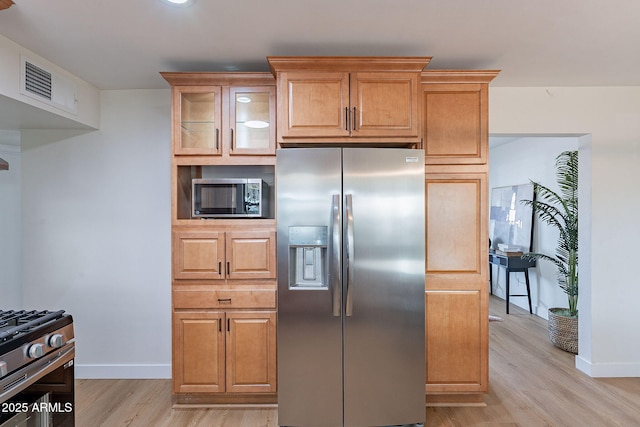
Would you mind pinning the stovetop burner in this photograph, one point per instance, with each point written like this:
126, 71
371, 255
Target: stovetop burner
21, 326
14, 323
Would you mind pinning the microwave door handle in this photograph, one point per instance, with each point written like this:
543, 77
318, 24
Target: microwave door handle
334, 256
348, 310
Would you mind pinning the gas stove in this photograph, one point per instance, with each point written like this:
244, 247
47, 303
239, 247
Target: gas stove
37, 350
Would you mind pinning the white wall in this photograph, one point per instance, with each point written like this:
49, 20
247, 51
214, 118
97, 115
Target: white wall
88, 96
10, 223
609, 229
96, 240
518, 162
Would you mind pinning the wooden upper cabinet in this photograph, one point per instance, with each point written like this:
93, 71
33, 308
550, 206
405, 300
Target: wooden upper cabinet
252, 120
223, 114
198, 122
385, 104
348, 100
456, 116
313, 105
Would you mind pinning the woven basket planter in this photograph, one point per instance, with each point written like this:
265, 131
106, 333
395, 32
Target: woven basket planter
563, 331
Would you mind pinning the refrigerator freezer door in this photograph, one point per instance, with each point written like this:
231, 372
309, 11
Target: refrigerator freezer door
309, 321
384, 347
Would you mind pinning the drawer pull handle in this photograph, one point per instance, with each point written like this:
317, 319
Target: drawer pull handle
221, 300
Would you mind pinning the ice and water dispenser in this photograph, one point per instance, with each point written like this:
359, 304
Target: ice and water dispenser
308, 257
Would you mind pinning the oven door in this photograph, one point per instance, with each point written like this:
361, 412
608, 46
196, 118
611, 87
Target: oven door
40, 394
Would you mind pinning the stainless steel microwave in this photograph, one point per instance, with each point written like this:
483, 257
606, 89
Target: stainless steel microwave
229, 198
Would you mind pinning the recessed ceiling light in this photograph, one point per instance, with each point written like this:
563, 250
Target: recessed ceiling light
243, 99
182, 3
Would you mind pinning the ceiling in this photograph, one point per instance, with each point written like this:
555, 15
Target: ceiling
123, 44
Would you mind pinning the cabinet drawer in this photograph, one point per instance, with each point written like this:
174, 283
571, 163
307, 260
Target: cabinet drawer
220, 299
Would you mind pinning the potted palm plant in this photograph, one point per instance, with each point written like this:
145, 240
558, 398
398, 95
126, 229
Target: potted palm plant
560, 210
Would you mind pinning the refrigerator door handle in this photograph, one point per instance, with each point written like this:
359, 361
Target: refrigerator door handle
350, 255
334, 254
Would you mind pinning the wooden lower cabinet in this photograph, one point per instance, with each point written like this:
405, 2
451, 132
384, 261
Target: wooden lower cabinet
455, 354
251, 352
198, 352
218, 254
456, 292
224, 352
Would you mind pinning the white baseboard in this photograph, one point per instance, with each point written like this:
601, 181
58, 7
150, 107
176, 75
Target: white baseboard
607, 370
122, 371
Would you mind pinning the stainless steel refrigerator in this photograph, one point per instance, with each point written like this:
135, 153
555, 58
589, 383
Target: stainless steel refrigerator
351, 334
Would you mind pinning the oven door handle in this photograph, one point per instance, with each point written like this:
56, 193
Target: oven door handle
14, 383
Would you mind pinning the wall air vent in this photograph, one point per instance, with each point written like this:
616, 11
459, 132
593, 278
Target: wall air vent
37, 80
53, 89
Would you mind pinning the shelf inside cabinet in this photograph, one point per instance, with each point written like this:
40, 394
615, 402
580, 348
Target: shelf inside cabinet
185, 174
252, 119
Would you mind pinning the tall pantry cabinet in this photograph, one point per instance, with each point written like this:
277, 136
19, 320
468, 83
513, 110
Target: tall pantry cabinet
455, 141
223, 269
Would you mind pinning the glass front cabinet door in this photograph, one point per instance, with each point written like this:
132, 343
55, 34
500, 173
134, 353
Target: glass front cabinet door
252, 120
199, 124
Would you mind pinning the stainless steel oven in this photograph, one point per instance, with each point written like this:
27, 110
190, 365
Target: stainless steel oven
37, 350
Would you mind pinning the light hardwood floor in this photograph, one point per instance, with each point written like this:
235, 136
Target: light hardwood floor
531, 383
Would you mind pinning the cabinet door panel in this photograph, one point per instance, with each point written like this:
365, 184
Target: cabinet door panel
251, 352
456, 282
313, 104
455, 124
198, 255
198, 352
456, 231
384, 104
251, 255
457, 343
252, 117
197, 125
